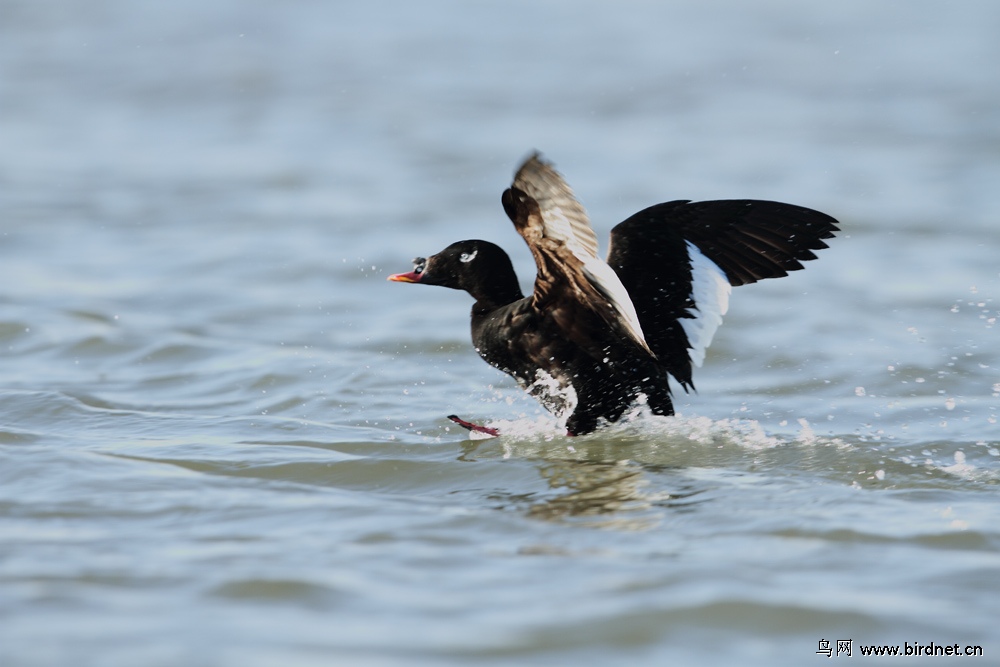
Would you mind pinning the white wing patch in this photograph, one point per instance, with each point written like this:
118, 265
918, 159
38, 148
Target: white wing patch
710, 291
607, 283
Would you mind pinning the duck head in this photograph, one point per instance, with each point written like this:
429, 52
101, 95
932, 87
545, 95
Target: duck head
480, 268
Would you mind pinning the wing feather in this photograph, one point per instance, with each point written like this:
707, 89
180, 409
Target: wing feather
563, 216
673, 257
557, 230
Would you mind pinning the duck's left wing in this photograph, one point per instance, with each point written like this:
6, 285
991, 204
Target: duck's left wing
562, 216
555, 226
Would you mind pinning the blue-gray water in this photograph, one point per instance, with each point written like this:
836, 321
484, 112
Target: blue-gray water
222, 432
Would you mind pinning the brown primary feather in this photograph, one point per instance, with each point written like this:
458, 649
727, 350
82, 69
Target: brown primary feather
556, 228
562, 290
562, 215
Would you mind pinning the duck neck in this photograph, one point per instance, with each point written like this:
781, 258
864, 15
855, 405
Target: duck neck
496, 289
488, 301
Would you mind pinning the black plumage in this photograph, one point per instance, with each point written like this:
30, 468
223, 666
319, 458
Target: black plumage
593, 336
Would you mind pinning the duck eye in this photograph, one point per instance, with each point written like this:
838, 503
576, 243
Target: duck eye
419, 264
467, 257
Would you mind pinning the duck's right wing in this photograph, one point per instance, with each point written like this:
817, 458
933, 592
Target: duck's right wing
678, 260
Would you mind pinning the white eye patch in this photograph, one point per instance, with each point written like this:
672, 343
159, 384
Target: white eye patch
467, 257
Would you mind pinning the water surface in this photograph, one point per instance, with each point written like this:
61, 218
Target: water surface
222, 433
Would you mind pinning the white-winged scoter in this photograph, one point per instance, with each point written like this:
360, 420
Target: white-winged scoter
594, 336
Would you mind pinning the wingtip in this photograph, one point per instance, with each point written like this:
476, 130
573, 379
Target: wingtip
534, 157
